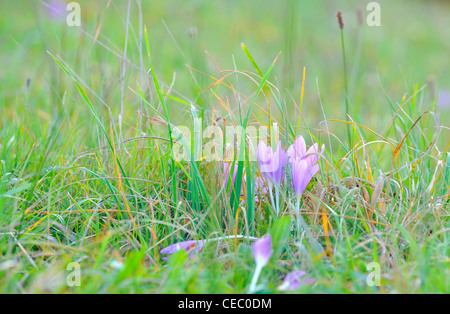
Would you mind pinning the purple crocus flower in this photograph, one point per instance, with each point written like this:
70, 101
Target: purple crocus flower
262, 251
271, 164
303, 164
443, 99
192, 247
56, 9
293, 280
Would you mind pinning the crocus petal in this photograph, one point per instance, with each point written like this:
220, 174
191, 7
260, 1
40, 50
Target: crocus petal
264, 156
283, 162
262, 250
299, 175
271, 164
312, 155
297, 150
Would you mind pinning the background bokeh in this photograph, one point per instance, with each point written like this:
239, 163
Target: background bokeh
410, 49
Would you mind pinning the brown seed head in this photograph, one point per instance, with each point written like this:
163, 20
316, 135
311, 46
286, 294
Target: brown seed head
340, 20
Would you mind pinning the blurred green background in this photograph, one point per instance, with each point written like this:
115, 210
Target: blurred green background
409, 50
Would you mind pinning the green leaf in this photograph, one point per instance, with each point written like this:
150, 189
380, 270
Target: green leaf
280, 235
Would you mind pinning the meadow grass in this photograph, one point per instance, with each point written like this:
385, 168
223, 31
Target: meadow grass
88, 174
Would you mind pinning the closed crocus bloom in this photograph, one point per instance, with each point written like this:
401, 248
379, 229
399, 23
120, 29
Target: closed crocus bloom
262, 251
271, 164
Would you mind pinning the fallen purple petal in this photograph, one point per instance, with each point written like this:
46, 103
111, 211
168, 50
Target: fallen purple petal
294, 280
192, 247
